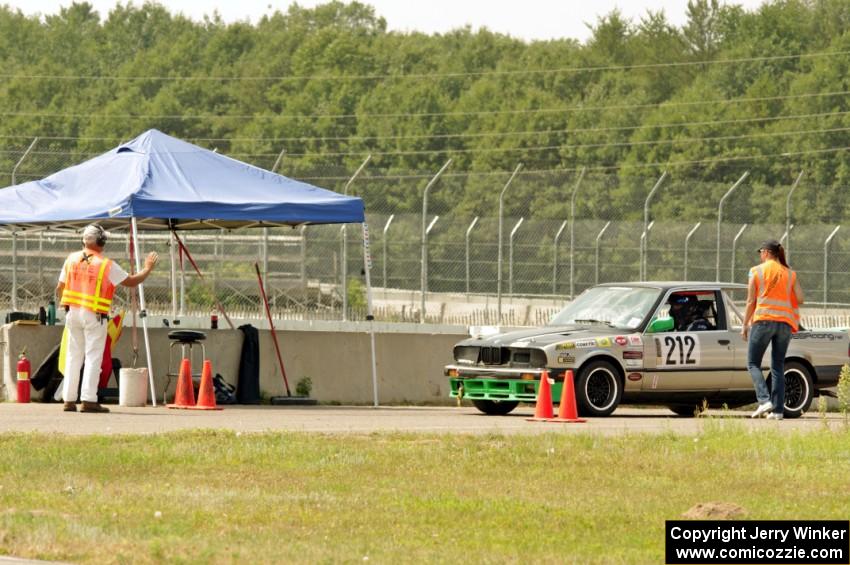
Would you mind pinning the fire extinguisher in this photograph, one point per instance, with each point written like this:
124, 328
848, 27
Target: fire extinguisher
24, 369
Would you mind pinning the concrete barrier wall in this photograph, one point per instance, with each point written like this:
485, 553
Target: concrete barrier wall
409, 365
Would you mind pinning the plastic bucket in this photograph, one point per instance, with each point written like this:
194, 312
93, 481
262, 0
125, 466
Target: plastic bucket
133, 387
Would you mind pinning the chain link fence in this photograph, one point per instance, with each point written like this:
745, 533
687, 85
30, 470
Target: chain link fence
561, 232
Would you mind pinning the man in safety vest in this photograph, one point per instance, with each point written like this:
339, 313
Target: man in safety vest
772, 315
85, 288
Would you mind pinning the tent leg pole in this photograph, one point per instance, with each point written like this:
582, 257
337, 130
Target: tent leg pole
172, 252
367, 267
142, 313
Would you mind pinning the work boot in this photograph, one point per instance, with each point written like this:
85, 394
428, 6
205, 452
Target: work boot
93, 407
69, 407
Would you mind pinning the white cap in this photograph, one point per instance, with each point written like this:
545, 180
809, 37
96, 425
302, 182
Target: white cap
92, 233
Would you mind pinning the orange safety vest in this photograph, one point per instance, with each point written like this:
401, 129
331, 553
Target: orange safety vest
87, 283
775, 300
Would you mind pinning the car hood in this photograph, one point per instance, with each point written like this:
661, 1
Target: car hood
544, 336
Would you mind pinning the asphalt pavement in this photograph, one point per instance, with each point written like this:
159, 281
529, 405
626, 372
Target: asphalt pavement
49, 418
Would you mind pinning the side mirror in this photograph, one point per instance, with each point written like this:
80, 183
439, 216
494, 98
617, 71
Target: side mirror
658, 325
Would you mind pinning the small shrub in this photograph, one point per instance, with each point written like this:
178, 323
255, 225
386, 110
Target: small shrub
304, 387
844, 390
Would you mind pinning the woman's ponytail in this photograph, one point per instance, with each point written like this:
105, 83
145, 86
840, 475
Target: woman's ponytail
780, 256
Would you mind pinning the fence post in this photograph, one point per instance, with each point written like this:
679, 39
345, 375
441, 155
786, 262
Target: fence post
468, 232
172, 251
687, 244
598, 239
424, 259
788, 214
826, 265
555, 258
384, 249
720, 220
644, 236
278, 160
500, 260
511, 257
344, 250
644, 248
734, 247
21, 160
573, 232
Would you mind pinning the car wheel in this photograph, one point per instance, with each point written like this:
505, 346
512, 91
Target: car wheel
495, 407
686, 410
598, 389
799, 389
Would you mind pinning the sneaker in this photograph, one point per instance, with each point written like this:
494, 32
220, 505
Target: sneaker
762, 409
69, 407
94, 407
775, 416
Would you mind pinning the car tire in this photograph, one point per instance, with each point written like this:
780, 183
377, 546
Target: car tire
799, 389
599, 389
495, 407
686, 410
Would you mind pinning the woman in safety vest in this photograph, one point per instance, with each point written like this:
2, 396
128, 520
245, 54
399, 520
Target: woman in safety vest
85, 289
773, 297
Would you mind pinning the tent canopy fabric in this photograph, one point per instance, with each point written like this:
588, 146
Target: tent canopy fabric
168, 183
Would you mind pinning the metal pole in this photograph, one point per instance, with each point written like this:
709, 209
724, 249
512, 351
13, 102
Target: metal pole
367, 268
687, 244
499, 259
644, 247
21, 160
598, 238
424, 251
511, 257
304, 256
172, 252
14, 270
343, 275
720, 220
734, 247
425, 263
555, 257
142, 312
468, 232
183, 282
573, 232
644, 235
786, 235
788, 215
384, 245
826, 265
344, 251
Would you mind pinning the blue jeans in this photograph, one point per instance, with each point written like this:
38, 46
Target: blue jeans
778, 336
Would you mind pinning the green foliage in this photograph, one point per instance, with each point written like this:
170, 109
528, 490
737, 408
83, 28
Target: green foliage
304, 386
356, 294
330, 84
843, 390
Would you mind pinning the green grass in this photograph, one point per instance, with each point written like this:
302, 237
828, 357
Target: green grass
389, 498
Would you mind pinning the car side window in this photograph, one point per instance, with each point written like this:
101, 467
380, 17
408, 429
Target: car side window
693, 311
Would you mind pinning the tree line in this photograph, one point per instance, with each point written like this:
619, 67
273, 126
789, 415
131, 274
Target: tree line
731, 90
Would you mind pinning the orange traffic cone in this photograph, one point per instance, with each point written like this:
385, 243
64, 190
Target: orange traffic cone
567, 411
206, 393
543, 409
184, 396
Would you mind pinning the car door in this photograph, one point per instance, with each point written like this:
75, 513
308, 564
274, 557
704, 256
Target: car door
741, 379
691, 360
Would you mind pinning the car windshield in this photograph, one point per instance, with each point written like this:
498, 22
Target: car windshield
617, 306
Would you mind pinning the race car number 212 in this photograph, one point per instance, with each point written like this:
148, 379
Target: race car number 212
679, 350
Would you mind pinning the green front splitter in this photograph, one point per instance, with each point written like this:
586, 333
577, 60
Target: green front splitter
501, 389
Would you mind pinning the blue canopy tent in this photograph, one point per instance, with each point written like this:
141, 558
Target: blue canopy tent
158, 182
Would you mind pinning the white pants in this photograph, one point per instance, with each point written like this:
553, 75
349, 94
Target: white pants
86, 340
